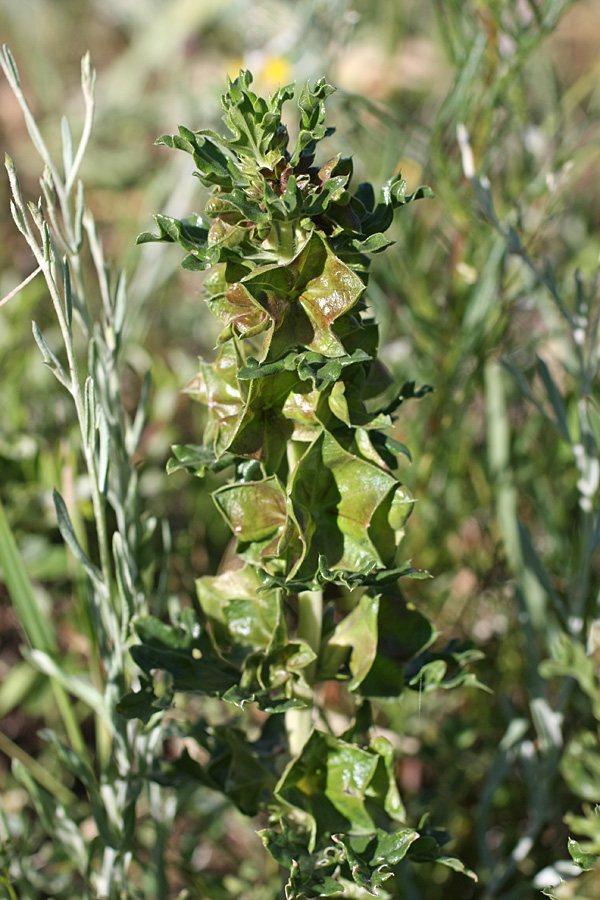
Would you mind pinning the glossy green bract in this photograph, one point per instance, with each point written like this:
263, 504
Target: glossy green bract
299, 415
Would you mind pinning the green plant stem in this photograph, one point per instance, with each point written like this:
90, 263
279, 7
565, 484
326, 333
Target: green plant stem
310, 621
299, 722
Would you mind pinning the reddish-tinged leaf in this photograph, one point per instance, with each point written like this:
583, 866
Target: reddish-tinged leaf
216, 386
304, 298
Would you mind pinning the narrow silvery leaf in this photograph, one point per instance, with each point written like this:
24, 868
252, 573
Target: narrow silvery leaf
15, 184
47, 186
49, 358
13, 73
67, 146
18, 219
90, 411
81, 689
88, 76
103, 451
68, 533
547, 722
46, 242
79, 210
67, 292
120, 303
35, 211
135, 432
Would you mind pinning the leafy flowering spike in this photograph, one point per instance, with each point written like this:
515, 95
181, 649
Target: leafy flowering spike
299, 413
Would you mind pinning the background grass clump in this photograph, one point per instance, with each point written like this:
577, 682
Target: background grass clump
489, 295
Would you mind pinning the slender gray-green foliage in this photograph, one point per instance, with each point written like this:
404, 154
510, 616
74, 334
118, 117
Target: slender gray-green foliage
118, 573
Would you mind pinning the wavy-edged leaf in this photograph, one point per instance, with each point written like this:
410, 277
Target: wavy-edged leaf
329, 782
198, 460
358, 631
303, 299
217, 387
353, 511
234, 768
186, 653
260, 517
243, 619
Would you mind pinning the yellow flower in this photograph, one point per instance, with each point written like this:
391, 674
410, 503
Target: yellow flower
275, 72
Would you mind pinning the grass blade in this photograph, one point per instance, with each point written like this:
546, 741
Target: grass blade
34, 623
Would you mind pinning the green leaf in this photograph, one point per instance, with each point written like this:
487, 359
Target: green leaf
585, 861
257, 514
445, 669
451, 862
214, 166
234, 769
216, 385
393, 194
191, 233
331, 782
243, 618
570, 660
198, 460
403, 633
266, 425
312, 123
359, 632
375, 243
370, 864
303, 299
580, 765
142, 704
352, 511
239, 311
383, 789
258, 134
184, 652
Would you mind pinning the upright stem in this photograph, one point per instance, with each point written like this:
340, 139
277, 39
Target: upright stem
310, 620
299, 722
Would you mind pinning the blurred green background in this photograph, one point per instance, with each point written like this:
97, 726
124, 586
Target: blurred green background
499, 520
